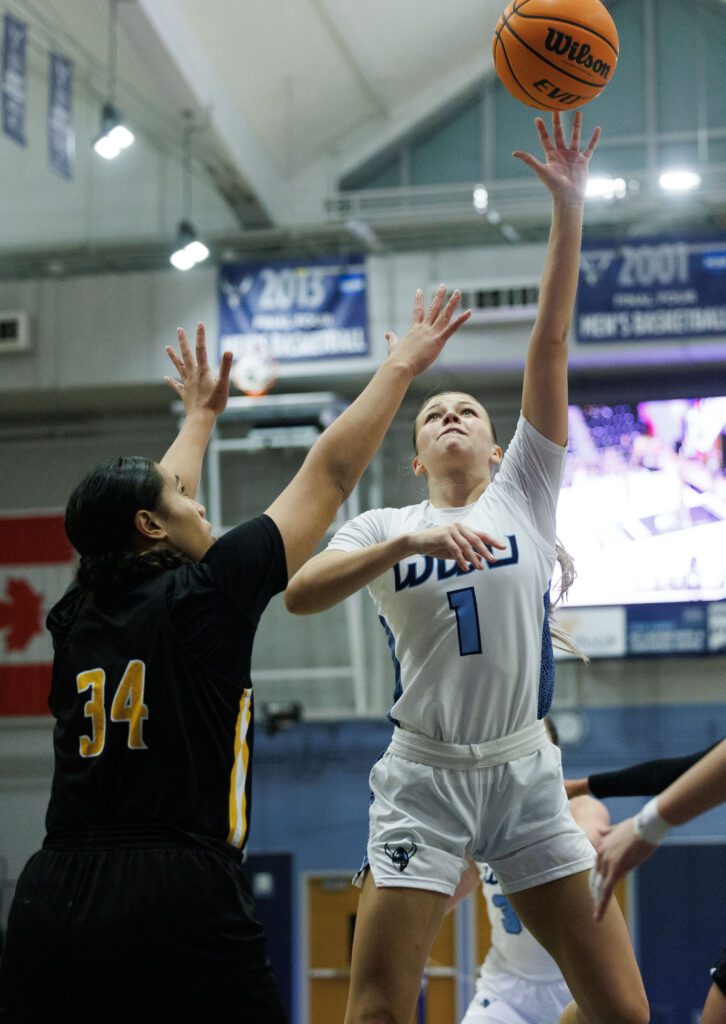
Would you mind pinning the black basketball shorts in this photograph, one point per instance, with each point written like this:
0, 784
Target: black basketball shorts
133, 933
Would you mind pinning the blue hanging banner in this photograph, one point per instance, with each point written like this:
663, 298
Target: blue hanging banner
14, 81
61, 133
297, 311
652, 290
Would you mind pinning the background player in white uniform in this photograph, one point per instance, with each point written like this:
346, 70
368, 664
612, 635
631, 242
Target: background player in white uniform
470, 769
519, 982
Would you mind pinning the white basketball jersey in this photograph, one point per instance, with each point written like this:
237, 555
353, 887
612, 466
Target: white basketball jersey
513, 948
471, 650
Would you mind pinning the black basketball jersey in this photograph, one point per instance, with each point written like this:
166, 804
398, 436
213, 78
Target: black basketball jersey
152, 695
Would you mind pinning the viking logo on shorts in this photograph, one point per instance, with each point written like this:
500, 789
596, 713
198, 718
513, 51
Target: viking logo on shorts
401, 856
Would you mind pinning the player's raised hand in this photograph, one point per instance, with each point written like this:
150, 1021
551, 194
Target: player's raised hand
198, 387
565, 168
429, 331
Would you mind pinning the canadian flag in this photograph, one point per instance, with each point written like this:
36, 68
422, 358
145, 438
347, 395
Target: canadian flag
36, 566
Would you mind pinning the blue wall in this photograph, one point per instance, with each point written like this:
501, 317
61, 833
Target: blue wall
311, 783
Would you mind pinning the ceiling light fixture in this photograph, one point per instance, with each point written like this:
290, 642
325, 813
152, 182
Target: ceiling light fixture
114, 136
480, 198
189, 249
679, 181
606, 188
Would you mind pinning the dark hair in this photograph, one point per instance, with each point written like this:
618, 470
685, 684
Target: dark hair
438, 394
99, 522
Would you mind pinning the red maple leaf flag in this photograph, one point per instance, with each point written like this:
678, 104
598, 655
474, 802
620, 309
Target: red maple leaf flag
36, 566
20, 613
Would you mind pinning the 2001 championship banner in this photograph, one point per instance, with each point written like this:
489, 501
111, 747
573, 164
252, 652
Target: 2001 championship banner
652, 290
298, 311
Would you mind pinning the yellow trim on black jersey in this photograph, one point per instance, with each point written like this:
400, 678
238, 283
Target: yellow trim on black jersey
238, 780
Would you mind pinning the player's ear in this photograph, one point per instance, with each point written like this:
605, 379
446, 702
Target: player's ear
418, 467
149, 525
496, 456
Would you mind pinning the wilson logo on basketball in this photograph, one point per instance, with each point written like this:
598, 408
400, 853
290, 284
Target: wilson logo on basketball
562, 44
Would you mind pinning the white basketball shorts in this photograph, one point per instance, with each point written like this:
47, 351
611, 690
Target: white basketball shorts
425, 819
504, 998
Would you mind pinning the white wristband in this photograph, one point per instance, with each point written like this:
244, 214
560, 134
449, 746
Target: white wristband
649, 825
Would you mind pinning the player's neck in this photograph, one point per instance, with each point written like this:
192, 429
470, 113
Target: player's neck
456, 490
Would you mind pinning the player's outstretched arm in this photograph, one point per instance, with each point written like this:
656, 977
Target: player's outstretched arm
564, 172
634, 840
333, 575
336, 461
204, 396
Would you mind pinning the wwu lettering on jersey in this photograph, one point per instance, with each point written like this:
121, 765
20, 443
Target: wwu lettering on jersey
413, 574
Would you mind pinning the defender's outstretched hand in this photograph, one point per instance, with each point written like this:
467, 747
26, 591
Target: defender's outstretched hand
620, 850
429, 331
565, 168
198, 388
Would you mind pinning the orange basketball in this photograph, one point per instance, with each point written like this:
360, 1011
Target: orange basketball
555, 54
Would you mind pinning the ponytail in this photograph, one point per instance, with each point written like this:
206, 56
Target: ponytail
115, 571
561, 639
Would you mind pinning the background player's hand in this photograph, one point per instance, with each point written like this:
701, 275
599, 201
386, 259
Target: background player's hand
565, 169
620, 851
456, 542
576, 787
198, 388
429, 331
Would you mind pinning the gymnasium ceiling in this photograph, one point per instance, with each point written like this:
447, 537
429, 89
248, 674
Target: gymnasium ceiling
286, 96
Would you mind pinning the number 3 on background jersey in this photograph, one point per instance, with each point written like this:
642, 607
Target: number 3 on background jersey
127, 706
463, 603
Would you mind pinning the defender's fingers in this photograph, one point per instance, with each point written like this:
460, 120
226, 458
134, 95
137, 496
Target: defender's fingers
436, 303
178, 364
454, 325
201, 348
576, 131
185, 350
175, 385
601, 907
451, 305
418, 307
592, 144
225, 368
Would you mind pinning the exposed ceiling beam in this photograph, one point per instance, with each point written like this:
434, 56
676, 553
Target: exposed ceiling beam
373, 94
246, 154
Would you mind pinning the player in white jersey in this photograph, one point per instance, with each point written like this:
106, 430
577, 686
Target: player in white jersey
519, 982
461, 584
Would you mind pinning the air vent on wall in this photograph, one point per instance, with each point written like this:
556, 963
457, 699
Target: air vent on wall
501, 303
14, 331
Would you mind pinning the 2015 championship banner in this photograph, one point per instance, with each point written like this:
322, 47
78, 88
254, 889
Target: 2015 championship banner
652, 290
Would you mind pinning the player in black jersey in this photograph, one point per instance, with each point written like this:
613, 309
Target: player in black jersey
136, 907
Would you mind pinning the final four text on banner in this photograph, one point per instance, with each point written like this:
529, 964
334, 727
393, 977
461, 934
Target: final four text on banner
36, 566
652, 290
14, 78
294, 311
61, 135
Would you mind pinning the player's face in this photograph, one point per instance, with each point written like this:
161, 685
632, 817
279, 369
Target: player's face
183, 518
453, 428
